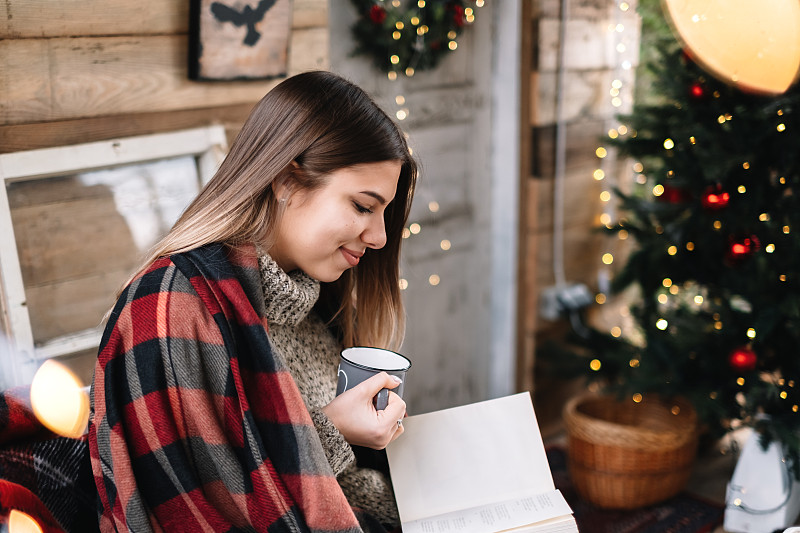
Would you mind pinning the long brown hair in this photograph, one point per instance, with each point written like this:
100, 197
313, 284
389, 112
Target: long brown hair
323, 123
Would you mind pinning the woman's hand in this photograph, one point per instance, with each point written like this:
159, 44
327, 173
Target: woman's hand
354, 414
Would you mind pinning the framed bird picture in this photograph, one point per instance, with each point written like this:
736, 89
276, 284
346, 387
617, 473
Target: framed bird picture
238, 39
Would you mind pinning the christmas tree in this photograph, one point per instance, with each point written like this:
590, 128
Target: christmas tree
714, 214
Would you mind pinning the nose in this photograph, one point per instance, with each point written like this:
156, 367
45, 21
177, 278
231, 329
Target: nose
374, 235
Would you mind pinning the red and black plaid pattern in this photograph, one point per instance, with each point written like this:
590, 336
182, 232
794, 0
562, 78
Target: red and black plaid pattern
43, 475
195, 425
17, 421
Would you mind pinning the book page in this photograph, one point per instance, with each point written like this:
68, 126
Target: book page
495, 517
468, 456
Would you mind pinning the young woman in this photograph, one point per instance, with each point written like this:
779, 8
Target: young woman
213, 403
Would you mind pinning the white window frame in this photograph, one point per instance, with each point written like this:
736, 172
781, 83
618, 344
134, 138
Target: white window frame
207, 144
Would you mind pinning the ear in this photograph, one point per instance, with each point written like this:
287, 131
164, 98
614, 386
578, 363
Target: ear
285, 184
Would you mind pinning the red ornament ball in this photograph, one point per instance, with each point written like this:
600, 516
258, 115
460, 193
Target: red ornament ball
673, 195
458, 16
743, 359
743, 247
715, 198
697, 91
377, 14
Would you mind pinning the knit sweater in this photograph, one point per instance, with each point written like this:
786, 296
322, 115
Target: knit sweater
311, 353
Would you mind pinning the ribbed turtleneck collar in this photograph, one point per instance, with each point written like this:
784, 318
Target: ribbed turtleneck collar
288, 297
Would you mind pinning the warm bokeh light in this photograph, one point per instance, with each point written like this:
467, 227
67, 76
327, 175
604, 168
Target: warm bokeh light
59, 400
741, 41
19, 522
600, 298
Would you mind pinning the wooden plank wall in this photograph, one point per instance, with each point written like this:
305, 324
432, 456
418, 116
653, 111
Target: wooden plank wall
77, 71
592, 61
99, 69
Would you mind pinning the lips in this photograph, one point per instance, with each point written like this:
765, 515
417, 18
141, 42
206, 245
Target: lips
352, 257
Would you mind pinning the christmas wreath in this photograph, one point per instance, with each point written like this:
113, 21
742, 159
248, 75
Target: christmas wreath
410, 38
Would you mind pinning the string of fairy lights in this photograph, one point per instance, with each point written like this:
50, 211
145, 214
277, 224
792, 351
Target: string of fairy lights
620, 95
403, 111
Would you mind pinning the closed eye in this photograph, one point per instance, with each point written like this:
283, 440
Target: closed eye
361, 209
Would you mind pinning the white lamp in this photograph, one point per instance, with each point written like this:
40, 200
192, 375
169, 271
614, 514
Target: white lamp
754, 44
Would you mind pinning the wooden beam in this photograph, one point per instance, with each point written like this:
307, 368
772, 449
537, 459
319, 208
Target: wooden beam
526, 269
583, 138
26, 19
18, 137
64, 78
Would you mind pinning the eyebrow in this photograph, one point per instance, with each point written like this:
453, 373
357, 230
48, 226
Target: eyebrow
375, 195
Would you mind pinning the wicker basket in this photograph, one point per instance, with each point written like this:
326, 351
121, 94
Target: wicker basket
629, 455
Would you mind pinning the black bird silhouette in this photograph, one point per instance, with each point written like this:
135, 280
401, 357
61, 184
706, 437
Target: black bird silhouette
246, 17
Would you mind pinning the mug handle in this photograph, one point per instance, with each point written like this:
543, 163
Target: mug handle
382, 400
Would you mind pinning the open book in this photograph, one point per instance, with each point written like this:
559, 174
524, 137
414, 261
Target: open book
478, 468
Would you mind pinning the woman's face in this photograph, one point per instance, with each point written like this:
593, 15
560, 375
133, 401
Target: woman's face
326, 231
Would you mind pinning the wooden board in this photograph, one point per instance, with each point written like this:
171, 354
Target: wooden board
582, 139
64, 308
77, 239
59, 234
17, 137
26, 19
57, 79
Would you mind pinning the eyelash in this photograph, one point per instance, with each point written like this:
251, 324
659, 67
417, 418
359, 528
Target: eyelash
361, 209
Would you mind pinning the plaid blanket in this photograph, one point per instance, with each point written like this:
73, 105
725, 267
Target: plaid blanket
45, 476
196, 426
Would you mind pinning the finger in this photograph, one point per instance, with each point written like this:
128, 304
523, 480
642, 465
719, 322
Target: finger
398, 430
395, 409
379, 381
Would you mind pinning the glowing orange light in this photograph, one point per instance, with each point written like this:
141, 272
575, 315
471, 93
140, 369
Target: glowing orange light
19, 522
59, 400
